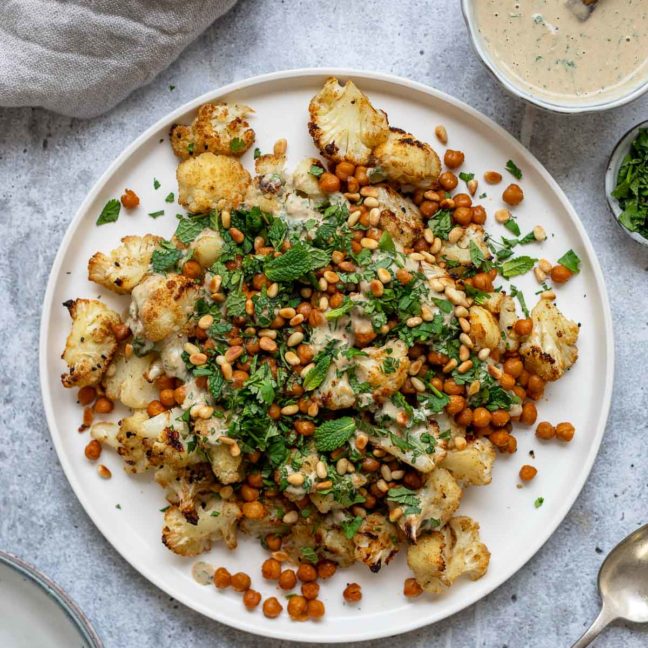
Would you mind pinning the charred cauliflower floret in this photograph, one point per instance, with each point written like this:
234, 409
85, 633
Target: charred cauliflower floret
106, 433
335, 392
162, 305
186, 486
207, 247
125, 266
304, 181
91, 343
484, 329
226, 467
124, 380
217, 520
460, 251
219, 128
211, 182
440, 557
509, 340
437, 500
550, 349
399, 217
376, 541
343, 123
407, 161
384, 368
473, 465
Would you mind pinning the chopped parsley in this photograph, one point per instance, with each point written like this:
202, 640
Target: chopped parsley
110, 212
156, 183
538, 502
514, 170
157, 214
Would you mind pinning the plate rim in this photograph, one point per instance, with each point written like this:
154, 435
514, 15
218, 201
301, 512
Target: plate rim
560, 511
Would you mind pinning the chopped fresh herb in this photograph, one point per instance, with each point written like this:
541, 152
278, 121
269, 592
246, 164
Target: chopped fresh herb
482, 195
539, 502
512, 226
406, 498
443, 305
156, 183
237, 145
386, 243
156, 214
309, 554
170, 197
441, 223
188, 228
118, 506
315, 377
215, 513
476, 255
334, 434
571, 261
515, 292
257, 153
350, 527
165, 257
235, 304
513, 169
110, 212
316, 170
466, 177
517, 266
166, 508
190, 148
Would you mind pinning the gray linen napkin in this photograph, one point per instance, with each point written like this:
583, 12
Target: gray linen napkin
81, 57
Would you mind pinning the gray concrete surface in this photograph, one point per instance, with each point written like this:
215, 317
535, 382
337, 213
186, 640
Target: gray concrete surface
48, 163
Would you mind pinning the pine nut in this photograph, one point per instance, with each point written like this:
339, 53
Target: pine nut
361, 441
297, 320
354, 217
411, 322
374, 217
226, 370
384, 275
447, 203
249, 307
395, 514
226, 492
226, 219
292, 358
352, 197
289, 410
296, 479
441, 134
313, 410
539, 233
291, 517
465, 366
236, 234
305, 292
472, 186
483, 354
215, 283
502, 216
418, 384
464, 353
280, 147
269, 333
197, 359
323, 303
341, 466
104, 472
428, 235
233, 353
449, 366
398, 474
369, 244
436, 246
273, 290
464, 324
295, 339
322, 283
369, 191
539, 275
205, 321
548, 294
427, 313
377, 288
456, 233
436, 285
382, 485
235, 450
190, 348
324, 485
465, 339
321, 470
495, 372
432, 195
268, 344
371, 202
331, 277
385, 471
460, 443
415, 367
474, 387
492, 177
287, 313
205, 412
545, 265
455, 296
460, 311
416, 256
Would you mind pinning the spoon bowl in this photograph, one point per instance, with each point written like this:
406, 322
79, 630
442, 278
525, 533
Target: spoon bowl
623, 585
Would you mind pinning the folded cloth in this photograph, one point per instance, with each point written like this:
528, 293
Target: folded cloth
82, 57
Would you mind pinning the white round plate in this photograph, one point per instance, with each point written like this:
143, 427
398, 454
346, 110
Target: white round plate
511, 526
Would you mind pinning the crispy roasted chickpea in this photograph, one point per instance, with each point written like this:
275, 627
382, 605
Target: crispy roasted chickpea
455, 405
344, 170
272, 608
130, 199
86, 395
306, 573
529, 414
167, 398
93, 450
523, 327
451, 387
560, 274
448, 180
251, 599
241, 581
326, 569
465, 417
565, 431
303, 427
329, 183
412, 480
535, 385
478, 215
316, 609
500, 438
253, 510
482, 281
453, 159
481, 417
507, 381
103, 405
298, 608
411, 588
287, 579
500, 418
527, 473
273, 542
462, 216
513, 195
369, 464
513, 367
222, 578
310, 590
192, 269
545, 430
462, 200
352, 593
154, 408
271, 569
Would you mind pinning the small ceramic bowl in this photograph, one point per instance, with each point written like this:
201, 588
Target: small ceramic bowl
468, 10
614, 164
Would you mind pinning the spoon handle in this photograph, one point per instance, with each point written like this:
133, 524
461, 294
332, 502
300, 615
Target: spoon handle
600, 623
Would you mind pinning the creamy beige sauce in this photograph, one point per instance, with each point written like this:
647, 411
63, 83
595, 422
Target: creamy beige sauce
203, 572
542, 47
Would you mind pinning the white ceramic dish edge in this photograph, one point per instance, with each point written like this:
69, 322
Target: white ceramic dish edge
560, 510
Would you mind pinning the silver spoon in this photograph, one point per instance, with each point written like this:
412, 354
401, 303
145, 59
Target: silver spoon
623, 585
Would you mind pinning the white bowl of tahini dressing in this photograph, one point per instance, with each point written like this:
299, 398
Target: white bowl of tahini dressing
540, 51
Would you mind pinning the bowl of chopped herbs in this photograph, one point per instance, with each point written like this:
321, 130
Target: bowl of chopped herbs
626, 183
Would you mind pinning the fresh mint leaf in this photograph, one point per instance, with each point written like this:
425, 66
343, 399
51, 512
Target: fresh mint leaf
513, 169
165, 257
334, 434
406, 498
386, 243
156, 183
235, 304
110, 212
316, 170
476, 255
466, 177
257, 153
571, 261
299, 260
512, 226
170, 197
517, 266
277, 232
315, 377
443, 305
189, 228
539, 502
237, 145
350, 527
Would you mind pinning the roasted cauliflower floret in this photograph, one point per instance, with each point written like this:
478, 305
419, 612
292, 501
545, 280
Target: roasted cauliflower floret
207, 247
335, 392
217, 520
399, 217
219, 128
162, 305
406, 160
124, 380
91, 343
440, 557
484, 329
343, 123
384, 368
437, 500
186, 486
304, 181
550, 349
226, 467
125, 266
211, 182
509, 340
473, 465
376, 541
460, 251
106, 433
